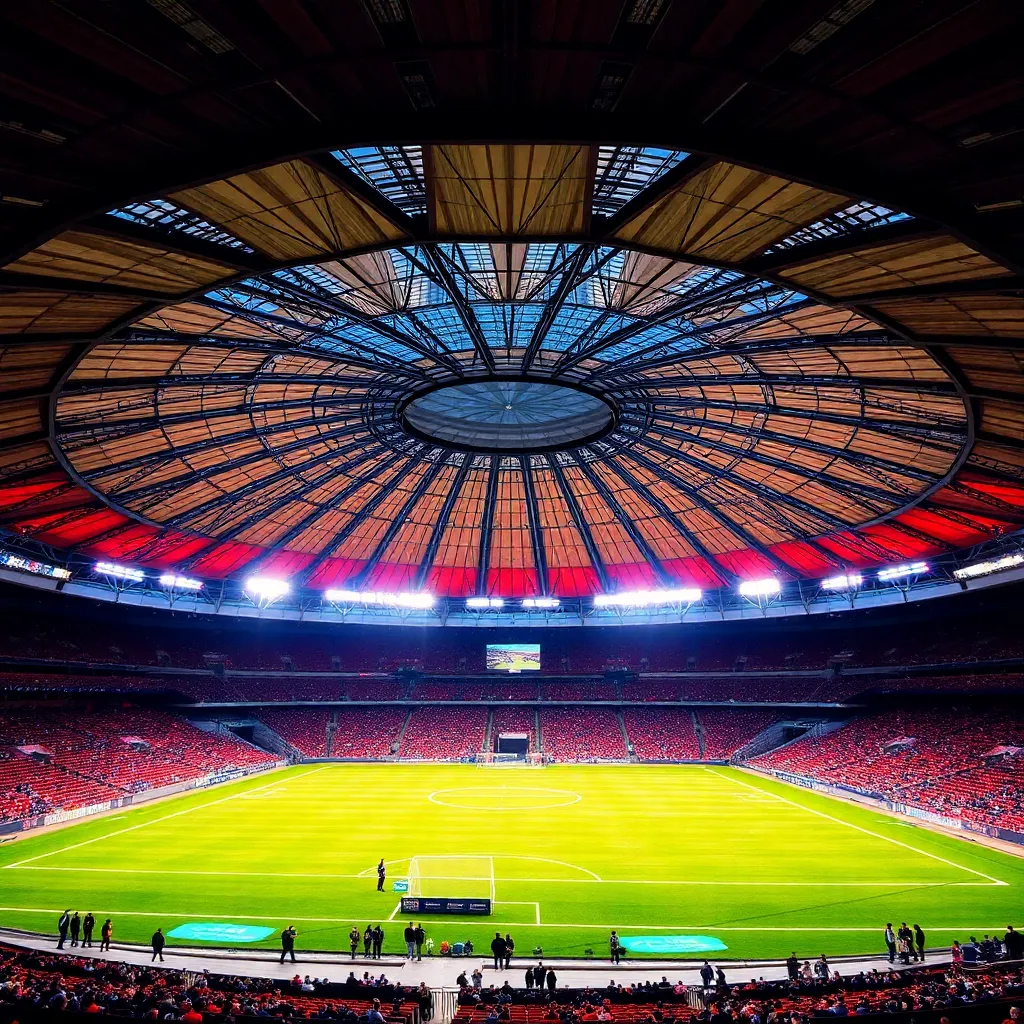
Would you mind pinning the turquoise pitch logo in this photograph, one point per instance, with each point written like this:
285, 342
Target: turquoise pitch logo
213, 932
672, 944
400, 886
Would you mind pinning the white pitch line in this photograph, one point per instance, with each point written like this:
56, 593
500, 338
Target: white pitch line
487, 878
394, 913
858, 828
154, 821
959, 928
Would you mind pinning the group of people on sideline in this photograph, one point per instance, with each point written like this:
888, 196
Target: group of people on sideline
80, 930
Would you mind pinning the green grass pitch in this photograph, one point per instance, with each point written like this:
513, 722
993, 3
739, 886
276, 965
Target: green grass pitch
574, 851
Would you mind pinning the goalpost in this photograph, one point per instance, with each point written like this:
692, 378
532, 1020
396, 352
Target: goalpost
464, 877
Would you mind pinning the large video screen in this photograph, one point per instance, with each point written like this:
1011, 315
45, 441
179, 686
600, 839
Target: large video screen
513, 657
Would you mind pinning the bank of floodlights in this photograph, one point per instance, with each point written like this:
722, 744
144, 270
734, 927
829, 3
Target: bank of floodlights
540, 603
174, 582
970, 572
480, 603
902, 572
121, 572
849, 581
381, 598
760, 588
648, 598
263, 590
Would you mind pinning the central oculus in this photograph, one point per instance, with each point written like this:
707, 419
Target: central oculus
509, 416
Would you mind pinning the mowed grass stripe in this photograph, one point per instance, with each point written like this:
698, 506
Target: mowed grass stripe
672, 845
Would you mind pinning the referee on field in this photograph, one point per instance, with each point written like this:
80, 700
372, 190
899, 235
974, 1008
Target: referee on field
381, 874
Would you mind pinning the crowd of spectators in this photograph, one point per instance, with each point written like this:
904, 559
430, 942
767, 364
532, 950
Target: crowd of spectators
444, 732
581, 734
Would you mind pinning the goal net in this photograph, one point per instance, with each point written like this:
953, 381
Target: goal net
465, 877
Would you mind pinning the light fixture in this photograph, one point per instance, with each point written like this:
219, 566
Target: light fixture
899, 572
760, 588
266, 587
646, 598
851, 581
169, 579
540, 602
485, 602
970, 572
122, 572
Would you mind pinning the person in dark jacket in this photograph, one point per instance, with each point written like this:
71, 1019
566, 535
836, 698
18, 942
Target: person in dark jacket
919, 942
552, 980
158, 942
353, 939
378, 942
88, 924
1014, 943
529, 977
382, 872
76, 928
793, 966
367, 942
498, 949
614, 947
63, 924
510, 948
105, 933
420, 938
288, 943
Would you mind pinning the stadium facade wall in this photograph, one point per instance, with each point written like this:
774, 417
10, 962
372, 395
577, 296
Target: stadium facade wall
131, 799
878, 800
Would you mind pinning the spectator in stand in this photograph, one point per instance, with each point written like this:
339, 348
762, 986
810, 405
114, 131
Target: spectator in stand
707, 976
158, 942
105, 933
88, 924
63, 924
793, 966
1014, 943
288, 942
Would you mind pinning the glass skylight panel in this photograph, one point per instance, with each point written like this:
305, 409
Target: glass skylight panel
394, 171
625, 171
843, 222
161, 213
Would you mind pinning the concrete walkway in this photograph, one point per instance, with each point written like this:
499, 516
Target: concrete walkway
438, 972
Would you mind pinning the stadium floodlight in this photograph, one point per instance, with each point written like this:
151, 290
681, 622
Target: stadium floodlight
899, 572
851, 581
647, 598
541, 602
122, 572
970, 572
266, 588
485, 602
760, 588
169, 579
380, 597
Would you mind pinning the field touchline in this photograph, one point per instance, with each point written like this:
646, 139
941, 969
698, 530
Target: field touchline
154, 821
858, 828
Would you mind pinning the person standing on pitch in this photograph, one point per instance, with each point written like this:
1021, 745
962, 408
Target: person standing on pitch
381, 875
510, 948
288, 942
88, 924
353, 939
498, 951
105, 933
76, 928
615, 947
378, 942
410, 941
919, 941
63, 924
367, 942
890, 941
158, 941
421, 937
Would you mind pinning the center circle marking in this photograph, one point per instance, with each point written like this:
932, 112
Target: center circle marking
503, 798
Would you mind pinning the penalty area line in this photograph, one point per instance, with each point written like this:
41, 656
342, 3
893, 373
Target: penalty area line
858, 828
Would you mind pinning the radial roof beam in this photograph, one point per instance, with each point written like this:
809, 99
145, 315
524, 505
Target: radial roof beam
437, 533
397, 523
88, 384
626, 521
436, 267
678, 524
11, 280
581, 523
483, 560
790, 380
735, 529
540, 559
